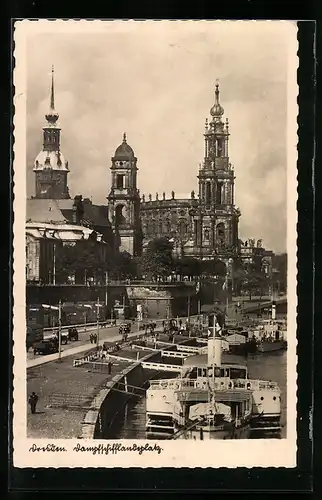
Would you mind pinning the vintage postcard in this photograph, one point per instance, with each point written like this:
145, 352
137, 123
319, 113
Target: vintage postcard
155, 191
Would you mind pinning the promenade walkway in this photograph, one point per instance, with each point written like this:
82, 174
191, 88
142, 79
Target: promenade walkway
110, 334
65, 392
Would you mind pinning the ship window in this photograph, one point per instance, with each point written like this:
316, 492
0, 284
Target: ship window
237, 373
193, 373
274, 398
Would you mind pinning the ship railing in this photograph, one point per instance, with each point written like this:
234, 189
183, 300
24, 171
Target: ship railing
174, 354
189, 348
263, 384
161, 366
222, 383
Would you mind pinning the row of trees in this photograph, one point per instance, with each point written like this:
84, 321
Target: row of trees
89, 259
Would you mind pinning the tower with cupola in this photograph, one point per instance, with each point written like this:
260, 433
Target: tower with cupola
124, 199
51, 169
216, 220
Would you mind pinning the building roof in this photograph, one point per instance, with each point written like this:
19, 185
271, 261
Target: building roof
63, 232
62, 212
124, 150
50, 160
44, 210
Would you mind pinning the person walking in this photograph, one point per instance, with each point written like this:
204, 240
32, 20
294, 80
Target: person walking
33, 400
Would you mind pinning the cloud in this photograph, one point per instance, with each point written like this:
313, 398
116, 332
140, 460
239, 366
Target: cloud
155, 81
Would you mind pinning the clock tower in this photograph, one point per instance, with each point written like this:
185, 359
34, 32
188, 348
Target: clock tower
50, 167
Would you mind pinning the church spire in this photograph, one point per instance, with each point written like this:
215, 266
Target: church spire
52, 97
52, 116
217, 110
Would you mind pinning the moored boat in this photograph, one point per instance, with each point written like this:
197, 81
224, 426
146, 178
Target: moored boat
169, 401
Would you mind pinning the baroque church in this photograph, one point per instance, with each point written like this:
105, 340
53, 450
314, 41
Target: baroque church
203, 226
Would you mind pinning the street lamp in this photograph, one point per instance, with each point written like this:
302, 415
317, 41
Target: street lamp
97, 322
54, 308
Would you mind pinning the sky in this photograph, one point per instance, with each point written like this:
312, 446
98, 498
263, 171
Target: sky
155, 81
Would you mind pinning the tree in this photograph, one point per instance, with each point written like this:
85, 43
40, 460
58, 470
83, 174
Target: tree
157, 261
213, 267
86, 259
124, 266
253, 280
187, 266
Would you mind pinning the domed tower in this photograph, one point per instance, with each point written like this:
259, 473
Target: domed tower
216, 226
50, 167
124, 199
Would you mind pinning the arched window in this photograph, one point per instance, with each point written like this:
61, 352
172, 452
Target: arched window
206, 234
182, 229
219, 193
220, 148
160, 228
220, 234
208, 193
119, 181
119, 215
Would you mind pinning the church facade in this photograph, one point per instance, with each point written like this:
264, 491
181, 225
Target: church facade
203, 225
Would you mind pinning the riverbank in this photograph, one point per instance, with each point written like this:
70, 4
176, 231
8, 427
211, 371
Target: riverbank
65, 395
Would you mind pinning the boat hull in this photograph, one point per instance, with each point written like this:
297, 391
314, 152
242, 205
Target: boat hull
229, 431
277, 345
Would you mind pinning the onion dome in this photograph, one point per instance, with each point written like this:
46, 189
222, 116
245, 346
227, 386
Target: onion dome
124, 150
51, 160
217, 110
52, 116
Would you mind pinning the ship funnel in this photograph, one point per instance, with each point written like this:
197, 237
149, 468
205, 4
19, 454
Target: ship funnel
214, 346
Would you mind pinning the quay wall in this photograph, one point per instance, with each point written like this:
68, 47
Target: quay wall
158, 300
110, 400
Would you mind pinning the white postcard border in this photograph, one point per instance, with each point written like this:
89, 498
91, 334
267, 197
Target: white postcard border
254, 453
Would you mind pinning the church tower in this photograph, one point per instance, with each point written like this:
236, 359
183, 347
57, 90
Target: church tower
50, 167
216, 223
124, 199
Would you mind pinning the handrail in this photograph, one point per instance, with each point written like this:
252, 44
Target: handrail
221, 383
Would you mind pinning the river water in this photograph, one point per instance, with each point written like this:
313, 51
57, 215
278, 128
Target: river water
130, 422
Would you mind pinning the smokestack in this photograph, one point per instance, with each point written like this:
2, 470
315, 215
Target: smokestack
214, 346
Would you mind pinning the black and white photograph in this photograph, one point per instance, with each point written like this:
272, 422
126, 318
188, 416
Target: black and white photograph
155, 243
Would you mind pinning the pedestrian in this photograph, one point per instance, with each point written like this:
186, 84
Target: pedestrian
33, 400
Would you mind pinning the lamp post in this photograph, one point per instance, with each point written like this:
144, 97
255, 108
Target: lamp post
97, 322
85, 314
59, 331
106, 283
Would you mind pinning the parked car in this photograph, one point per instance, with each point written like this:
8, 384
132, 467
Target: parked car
47, 346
